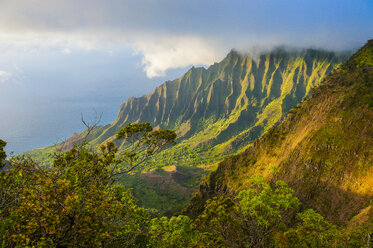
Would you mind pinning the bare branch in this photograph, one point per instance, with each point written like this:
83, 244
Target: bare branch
130, 169
91, 126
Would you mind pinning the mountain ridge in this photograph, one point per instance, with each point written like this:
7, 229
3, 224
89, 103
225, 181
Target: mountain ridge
238, 88
323, 149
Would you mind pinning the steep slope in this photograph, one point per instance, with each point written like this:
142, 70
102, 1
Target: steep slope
220, 110
323, 150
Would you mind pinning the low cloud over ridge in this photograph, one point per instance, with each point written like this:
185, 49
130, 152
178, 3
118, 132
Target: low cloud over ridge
173, 34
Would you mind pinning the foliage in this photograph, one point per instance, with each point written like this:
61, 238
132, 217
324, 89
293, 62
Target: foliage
71, 204
140, 143
230, 222
261, 216
313, 231
362, 231
267, 204
172, 232
74, 202
220, 224
251, 220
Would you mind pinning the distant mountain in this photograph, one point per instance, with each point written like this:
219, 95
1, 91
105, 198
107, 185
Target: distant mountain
323, 149
224, 108
221, 110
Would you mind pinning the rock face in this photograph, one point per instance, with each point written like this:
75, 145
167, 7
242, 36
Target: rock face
222, 109
323, 149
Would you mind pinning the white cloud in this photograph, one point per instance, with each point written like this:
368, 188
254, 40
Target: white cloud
160, 52
5, 76
169, 52
171, 34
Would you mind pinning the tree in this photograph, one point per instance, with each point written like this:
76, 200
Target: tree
140, 143
172, 232
75, 202
312, 231
257, 217
252, 218
220, 224
266, 209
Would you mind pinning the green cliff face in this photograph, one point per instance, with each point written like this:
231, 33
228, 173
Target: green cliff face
323, 149
220, 110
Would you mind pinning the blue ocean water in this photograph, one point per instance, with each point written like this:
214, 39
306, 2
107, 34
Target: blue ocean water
37, 125
42, 102
30, 122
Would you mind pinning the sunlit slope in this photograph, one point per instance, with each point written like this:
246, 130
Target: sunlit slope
219, 110
323, 150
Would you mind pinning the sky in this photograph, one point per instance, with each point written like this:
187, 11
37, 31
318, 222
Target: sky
61, 58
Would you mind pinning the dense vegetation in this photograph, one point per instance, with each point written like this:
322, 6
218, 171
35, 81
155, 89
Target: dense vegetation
77, 204
260, 216
71, 204
75, 201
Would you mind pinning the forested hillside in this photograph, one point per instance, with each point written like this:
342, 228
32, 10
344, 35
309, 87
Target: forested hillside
323, 150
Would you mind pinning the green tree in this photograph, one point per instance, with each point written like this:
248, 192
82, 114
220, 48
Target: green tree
266, 209
71, 204
172, 232
220, 224
75, 202
252, 218
312, 231
140, 142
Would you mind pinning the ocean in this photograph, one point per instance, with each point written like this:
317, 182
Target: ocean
36, 125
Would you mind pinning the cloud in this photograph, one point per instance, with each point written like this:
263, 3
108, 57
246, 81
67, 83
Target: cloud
66, 50
165, 53
159, 52
5, 76
171, 34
